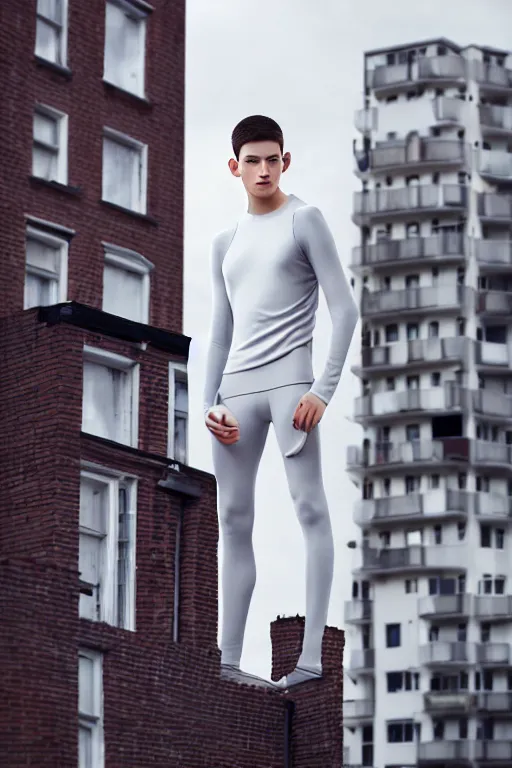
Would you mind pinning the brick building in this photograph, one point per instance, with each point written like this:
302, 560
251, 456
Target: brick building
108, 538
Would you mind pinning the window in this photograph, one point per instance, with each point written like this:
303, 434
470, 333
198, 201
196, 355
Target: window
411, 586
412, 483
463, 728
413, 331
462, 633
177, 442
461, 531
125, 42
485, 535
51, 31
434, 481
110, 407
386, 486
483, 484
435, 379
413, 382
392, 635
50, 144
433, 330
485, 633
489, 585
46, 275
400, 731
438, 534
90, 710
391, 333
107, 548
433, 634
390, 383
412, 432
124, 171
499, 534
439, 585
126, 283
449, 682
438, 730
385, 539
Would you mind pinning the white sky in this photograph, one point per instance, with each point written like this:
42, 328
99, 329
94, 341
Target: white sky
301, 63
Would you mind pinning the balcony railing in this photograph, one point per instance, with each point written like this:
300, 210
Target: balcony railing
491, 403
492, 505
420, 298
493, 653
445, 245
448, 110
453, 701
441, 68
437, 751
433, 504
366, 120
412, 452
414, 557
358, 611
497, 607
494, 252
390, 154
358, 709
445, 606
494, 751
417, 351
428, 68
492, 354
493, 303
493, 116
488, 452
411, 199
448, 398
491, 76
445, 653
362, 659
495, 207
495, 702
495, 163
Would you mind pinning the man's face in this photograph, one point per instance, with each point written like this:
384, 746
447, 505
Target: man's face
260, 166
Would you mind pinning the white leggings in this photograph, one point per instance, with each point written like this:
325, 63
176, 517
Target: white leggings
235, 469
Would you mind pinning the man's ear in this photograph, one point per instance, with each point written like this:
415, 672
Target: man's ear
287, 158
233, 166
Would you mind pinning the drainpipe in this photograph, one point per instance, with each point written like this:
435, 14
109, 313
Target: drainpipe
289, 709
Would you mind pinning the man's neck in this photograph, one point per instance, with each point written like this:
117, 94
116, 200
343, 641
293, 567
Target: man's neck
258, 206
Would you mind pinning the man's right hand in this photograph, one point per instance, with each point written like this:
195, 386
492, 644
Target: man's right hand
221, 423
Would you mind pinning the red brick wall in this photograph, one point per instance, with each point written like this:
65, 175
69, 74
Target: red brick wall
91, 105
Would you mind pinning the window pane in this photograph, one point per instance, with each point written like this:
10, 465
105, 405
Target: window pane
46, 129
43, 256
124, 54
52, 9
86, 703
48, 42
180, 395
93, 505
44, 164
180, 439
121, 174
122, 293
39, 291
102, 409
85, 748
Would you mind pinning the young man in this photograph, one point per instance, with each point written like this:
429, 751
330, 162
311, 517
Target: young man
265, 272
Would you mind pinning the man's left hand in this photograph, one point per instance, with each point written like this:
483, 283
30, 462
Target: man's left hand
308, 413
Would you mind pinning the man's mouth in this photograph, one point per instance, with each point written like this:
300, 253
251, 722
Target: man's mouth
263, 183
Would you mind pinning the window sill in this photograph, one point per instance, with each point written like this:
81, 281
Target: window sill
46, 63
127, 95
135, 214
37, 181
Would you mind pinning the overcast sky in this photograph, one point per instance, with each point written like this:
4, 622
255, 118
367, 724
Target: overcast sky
301, 63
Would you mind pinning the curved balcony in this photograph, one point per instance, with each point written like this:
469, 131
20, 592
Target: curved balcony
424, 454
362, 661
366, 120
490, 507
419, 353
446, 607
435, 752
494, 655
381, 562
494, 753
414, 301
494, 165
441, 654
445, 248
358, 711
358, 611
494, 253
449, 111
492, 404
495, 703
387, 79
492, 357
434, 505
489, 454
393, 405
495, 120
496, 608
456, 702
493, 208
491, 78
494, 303
415, 154
409, 202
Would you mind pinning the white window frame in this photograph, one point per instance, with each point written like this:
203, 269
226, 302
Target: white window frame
115, 481
63, 37
62, 147
59, 291
182, 369
142, 149
94, 722
124, 258
129, 430
139, 12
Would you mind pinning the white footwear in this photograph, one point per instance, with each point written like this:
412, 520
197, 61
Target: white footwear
298, 676
236, 675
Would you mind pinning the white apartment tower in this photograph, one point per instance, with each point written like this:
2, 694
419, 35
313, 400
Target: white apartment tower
430, 619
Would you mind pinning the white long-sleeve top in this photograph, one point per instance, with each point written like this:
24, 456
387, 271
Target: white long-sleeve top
265, 277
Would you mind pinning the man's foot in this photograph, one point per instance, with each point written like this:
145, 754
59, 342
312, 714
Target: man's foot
298, 676
235, 674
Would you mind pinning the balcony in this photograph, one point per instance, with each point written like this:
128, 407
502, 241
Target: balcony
494, 654
493, 508
362, 661
442, 751
415, 453
494, 303
358, 611
497, 753
417, 353
433, 505
408, 202
431, 298
456, 702
445, 247
494, 165
493, 607
416, 154
445, 606
494, 253
495, 120
492, 356
388, 79
492, 78
366, 120
449, 111
358, 711
495, 208
380, 406
489, 403
413, 558
495, 703
445, 654
488, 453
